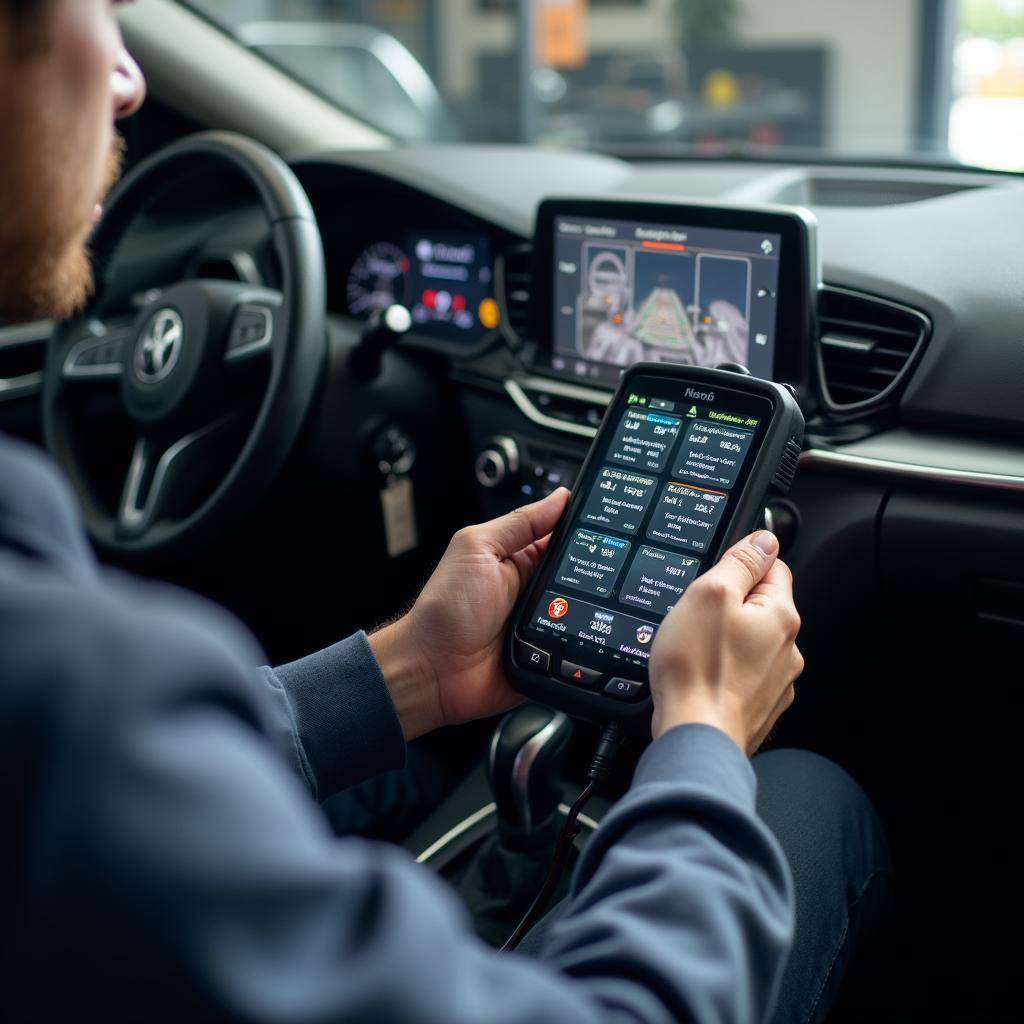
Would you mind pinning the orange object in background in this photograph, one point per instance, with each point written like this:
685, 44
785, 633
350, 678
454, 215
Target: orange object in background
488, 313
562, 33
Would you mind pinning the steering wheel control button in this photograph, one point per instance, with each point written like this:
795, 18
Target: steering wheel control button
159, 346
250, 332
624, 689
580, 674
531, 657
96, 356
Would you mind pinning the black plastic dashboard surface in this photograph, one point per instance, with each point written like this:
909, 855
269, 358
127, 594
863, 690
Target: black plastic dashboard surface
953, 256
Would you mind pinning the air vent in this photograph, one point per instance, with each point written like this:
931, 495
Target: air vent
867, 346
22, 355
514, 291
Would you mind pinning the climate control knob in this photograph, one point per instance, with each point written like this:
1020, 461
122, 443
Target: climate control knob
497, 462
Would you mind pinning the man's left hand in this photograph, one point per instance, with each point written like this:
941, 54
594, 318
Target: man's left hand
442, 660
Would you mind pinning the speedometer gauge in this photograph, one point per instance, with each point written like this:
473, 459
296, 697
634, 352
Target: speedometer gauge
377, 279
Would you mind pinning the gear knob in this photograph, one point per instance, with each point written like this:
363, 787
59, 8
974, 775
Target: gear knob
525, 758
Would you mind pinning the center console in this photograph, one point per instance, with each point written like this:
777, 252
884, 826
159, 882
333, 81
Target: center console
614, 282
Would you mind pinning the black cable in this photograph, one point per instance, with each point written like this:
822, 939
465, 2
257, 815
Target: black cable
600, 766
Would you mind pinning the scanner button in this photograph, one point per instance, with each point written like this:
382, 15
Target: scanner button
533, 658
624, 689
580, 674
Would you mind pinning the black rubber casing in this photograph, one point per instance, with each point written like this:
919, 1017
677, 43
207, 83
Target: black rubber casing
772, 470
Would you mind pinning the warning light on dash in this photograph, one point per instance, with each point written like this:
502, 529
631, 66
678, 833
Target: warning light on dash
488, 313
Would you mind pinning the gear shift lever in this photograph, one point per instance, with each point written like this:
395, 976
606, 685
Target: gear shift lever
525, 756
512, 862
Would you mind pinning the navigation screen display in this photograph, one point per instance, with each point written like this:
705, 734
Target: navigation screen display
648, 519
625, 292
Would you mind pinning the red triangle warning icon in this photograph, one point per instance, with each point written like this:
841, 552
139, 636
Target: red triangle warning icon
578, 674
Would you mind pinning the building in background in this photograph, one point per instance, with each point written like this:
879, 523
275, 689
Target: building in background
663, 77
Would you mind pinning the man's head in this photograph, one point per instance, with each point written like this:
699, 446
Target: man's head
65, 77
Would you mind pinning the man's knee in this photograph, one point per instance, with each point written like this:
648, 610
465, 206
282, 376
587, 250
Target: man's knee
818, 811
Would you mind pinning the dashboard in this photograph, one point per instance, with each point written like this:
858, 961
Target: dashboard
445, 279
903, 355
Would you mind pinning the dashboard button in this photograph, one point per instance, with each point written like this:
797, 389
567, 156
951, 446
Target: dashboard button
624, 689
498, 461
531, 657
490, 468
580, 674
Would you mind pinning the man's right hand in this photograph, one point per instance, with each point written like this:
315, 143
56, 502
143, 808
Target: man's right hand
726, 654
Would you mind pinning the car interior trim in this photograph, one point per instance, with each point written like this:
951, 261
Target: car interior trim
458, 830
502, 295
130, 514
23, 385
37, 332
812, 459
515, 391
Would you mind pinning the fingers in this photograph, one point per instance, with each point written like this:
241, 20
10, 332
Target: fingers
526, 525
777, 585
742, 567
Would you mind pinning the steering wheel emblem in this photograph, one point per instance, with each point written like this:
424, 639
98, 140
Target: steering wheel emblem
159, 347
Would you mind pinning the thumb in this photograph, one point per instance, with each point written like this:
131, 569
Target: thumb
521, 527
746, 564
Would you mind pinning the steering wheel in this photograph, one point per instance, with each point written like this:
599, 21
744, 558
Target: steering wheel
213, 377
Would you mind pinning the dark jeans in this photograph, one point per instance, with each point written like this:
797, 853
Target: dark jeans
824, 822
841, 870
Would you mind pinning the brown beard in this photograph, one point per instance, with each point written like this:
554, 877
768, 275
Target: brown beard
45, 266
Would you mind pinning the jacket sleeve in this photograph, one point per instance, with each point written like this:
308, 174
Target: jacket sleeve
334, 718
185, 873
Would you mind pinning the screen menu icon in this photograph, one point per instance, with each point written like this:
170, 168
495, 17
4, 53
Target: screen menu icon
686, 516
614, 631
657, 579
644, 440
619, 500
712, 454
592, 562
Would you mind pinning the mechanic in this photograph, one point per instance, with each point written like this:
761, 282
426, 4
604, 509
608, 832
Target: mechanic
166, 857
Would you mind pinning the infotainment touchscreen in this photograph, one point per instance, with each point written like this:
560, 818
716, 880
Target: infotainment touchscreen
626, 292
618, 282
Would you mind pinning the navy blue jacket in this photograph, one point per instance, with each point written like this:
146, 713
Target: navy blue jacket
164, 856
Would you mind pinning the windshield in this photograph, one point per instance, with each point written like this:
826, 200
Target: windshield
912, 80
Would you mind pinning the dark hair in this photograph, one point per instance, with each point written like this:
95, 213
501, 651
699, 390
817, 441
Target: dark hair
29, 17
25, 9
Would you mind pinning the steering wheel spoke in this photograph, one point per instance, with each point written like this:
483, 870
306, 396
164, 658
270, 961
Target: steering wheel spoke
256, 322
163, 479
99, 353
